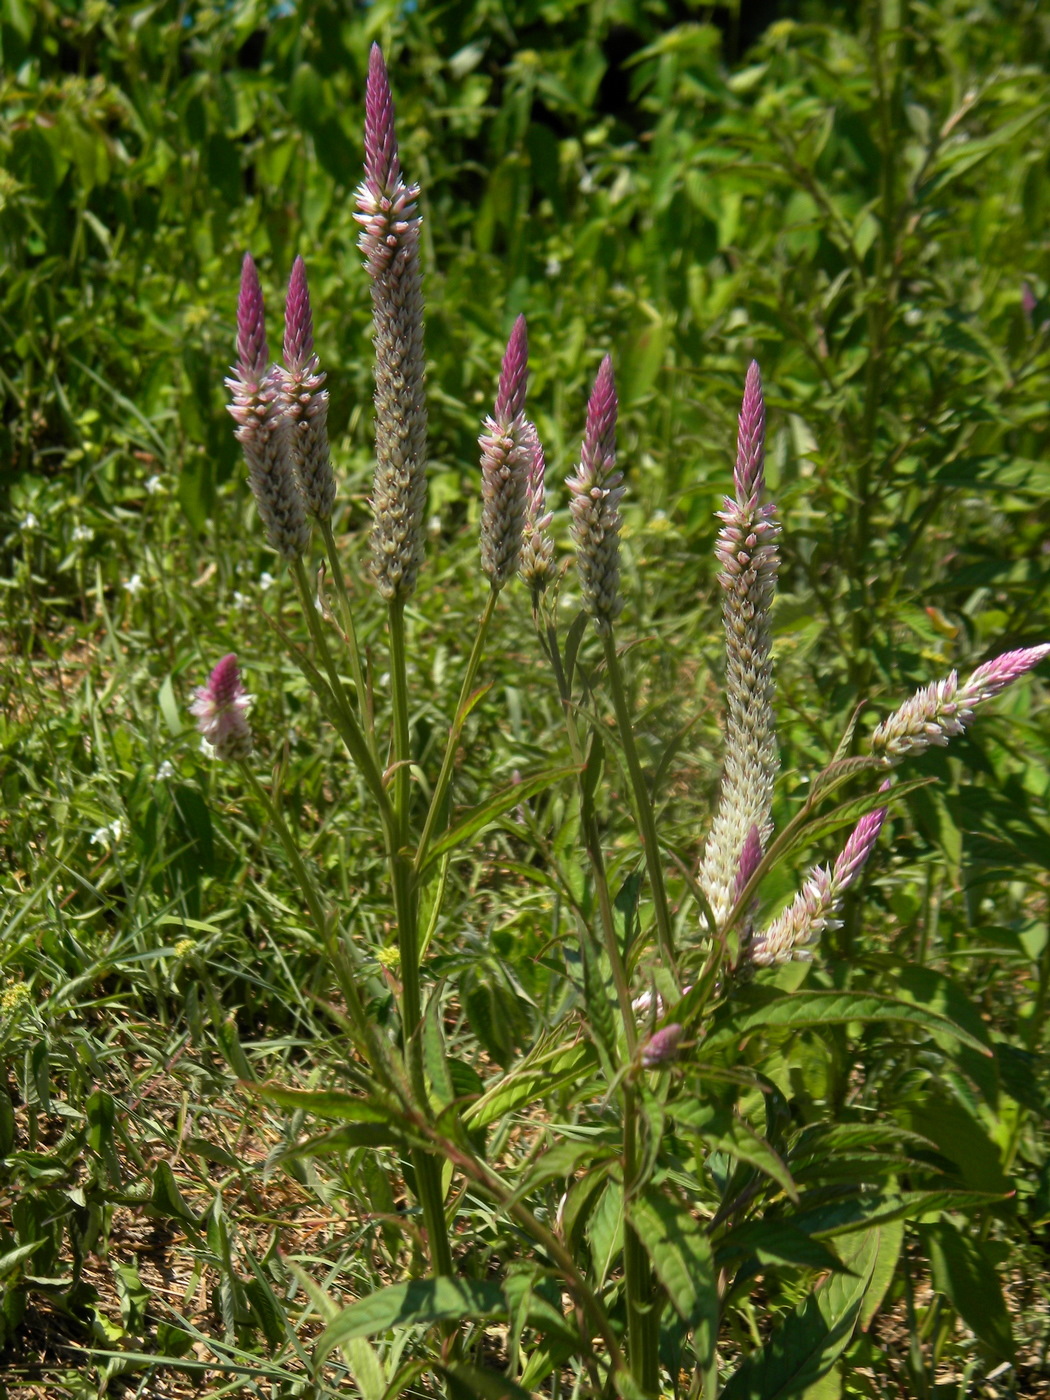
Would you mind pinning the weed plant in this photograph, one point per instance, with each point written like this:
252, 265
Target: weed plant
549, 1165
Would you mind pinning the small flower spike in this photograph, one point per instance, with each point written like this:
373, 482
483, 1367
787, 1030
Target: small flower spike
389, 240
747, 551
506, 461
261, 427
662, 1046
304, 401
596, 493
792, 933
536, 569
220, 709
938, 712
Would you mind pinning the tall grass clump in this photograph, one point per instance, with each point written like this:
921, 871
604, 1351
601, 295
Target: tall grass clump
609, 1197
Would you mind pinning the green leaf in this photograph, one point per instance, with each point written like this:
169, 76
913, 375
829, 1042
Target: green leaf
964, 1274
725, 1131
682, 1259
777, 1242
802, 1352
488, 812
166, 1198
536, 1076
420, 1302
489, 1385
326, 1103
800, 1010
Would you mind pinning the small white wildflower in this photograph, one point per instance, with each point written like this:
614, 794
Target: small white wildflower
82, 534
165, 771
30, 522
116, 829
552, 267
134, 585
154, 485
586, 182
240, 600
266, 580
100, 836
293, 737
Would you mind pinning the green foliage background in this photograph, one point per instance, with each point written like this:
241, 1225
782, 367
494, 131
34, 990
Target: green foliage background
856, 196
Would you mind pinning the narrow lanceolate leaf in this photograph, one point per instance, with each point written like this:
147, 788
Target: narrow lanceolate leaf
542, 1075
488, 812
805, 1009
681, 1257
803, 1351
328, 1103
420, 1302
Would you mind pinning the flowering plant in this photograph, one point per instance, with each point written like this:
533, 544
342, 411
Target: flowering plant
677, 1178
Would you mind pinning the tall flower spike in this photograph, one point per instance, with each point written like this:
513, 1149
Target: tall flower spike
938, 712
304, 401
747, 551
262, 429
537, 547
220, 708
389, 240
506, 460
816, 906
595, 496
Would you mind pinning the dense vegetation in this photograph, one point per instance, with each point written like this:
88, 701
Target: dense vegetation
858, 201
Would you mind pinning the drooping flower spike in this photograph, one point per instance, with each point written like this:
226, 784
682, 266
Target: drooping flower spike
262, 429
747, 552
221, 709
389, 240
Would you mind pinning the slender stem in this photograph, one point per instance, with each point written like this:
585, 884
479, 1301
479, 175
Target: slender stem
480, 1172
427, 1169
642, 803
342, 715
445, 776
592, 841
642, 1335
347, 613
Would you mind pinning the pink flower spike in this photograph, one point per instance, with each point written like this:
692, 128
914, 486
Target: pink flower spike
750, 858
996, 675
382, 166
662, 1045
748, 478
599, 436
298, 320
220, 709
253, 353
854, 854
513, 379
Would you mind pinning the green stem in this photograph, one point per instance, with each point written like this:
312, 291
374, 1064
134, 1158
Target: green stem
427, 1169
642, 803
642, 1317
347, 614
445, 776
341, 714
